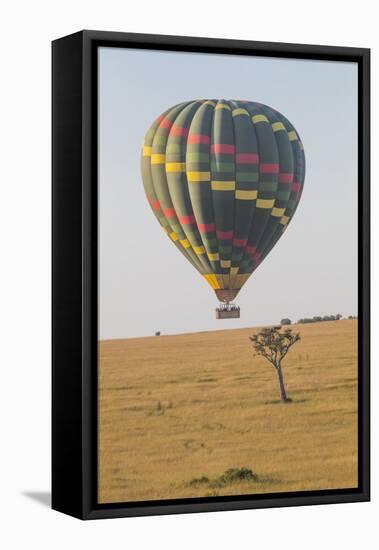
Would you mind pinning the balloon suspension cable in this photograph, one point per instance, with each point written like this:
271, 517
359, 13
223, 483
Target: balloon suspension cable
228, 310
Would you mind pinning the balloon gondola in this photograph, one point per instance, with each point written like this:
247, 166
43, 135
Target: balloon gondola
224, 179
227, 310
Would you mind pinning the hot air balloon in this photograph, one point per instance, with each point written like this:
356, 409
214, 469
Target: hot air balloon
223, 178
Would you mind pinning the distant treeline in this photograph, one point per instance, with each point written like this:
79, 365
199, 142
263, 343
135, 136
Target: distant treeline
316, 319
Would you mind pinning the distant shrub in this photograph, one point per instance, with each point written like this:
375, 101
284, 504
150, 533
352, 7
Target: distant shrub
285, 321
199, 480
158, 333
238, 474
232, 475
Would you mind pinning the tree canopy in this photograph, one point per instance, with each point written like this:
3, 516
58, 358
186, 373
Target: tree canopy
273, 344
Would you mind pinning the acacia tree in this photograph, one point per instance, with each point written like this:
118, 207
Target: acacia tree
273, 344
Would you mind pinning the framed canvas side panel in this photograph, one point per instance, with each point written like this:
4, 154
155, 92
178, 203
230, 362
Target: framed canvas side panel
364, 397
67, 386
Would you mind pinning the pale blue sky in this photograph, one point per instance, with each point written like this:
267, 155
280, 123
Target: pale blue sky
145, 284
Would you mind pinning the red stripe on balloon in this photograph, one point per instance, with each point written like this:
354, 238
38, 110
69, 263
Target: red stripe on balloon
247, 158
295, 186
239, 242
205, 227
165, 123
199, 138
169, 213
285, 177
269, 168
187, 220
177, 131
223, 148
224, 235
251, 249
155, 205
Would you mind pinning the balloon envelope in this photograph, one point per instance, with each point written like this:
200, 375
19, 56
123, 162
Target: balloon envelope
223, 178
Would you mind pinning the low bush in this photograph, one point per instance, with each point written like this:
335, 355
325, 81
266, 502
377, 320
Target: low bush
238, 474
199, 480
232, 475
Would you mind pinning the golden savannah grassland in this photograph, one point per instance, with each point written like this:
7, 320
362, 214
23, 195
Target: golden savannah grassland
176, 412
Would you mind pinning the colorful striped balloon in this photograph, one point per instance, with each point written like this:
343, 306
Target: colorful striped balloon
224, 179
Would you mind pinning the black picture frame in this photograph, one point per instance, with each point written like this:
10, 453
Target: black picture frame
74, 272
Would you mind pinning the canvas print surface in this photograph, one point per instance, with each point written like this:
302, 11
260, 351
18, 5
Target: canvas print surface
227, 211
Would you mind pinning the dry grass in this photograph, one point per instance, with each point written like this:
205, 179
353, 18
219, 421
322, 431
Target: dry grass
178, 408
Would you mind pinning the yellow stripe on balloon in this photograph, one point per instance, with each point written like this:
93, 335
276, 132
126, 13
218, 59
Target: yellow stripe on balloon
213, 257
158, 159
185, 243
277, 126
225, 263
278, 212
223, 185
284, 220
292, 136
146, 151
212, 280
239, 111
223, 106
246, 195
198, 176
173, 236
199, 250
265, 203
175, 166
259, 118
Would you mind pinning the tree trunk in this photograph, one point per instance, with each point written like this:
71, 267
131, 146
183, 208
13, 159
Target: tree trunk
283, 394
